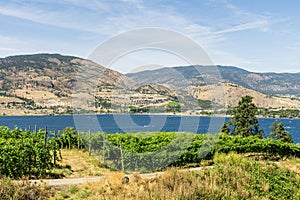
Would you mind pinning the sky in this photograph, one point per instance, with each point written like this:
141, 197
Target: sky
256, 35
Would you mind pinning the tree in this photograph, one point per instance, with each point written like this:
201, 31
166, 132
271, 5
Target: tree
173, 106
244, 118
279, 133
225, 128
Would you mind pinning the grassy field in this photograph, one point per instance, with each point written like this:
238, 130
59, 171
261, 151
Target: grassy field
233, 176
77, 163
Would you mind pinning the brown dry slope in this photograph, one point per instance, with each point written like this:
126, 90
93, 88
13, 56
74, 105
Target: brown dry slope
233, 94
44, 83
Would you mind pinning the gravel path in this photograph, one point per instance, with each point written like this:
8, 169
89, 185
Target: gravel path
78, 181
68, 181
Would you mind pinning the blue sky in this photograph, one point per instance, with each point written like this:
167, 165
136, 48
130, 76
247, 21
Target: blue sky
257, 35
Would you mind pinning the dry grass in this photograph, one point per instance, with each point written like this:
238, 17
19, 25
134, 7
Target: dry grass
291, 164
4, 99
23, 112
234, 92
23, 190
233, 177
77, 163
35, 94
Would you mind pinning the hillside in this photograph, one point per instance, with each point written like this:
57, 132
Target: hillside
46, 84
233, 93
43, 84
267, 83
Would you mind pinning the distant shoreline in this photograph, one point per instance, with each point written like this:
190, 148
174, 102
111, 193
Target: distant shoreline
167, 114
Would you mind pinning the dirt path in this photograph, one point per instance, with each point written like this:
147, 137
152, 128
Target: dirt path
78, 181
68, 181
153, 175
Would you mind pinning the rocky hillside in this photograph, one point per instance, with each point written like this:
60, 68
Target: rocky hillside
267, 83
44, 84
51, 83
232, 93
154, 89
55, 72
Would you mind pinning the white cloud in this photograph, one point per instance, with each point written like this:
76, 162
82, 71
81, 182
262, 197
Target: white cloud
261, 25
244, 15
109, 18
94, 5
121, 16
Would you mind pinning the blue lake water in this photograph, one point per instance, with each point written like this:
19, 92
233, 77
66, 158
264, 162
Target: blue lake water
113, 123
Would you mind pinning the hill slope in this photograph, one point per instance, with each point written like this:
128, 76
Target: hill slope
268, 83
49, 83
44, 84
233, 93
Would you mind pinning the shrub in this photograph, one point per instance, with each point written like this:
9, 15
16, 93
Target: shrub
22, 190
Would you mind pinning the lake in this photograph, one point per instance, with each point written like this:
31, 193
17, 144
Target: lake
113, 123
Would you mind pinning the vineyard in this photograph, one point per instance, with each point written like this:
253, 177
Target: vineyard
23, 153
34, 153
153, 151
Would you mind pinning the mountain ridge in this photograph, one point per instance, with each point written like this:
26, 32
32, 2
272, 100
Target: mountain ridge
271, 83
43, 84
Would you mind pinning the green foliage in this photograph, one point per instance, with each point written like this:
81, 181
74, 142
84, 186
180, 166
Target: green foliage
284, 113
205, 104
137, 151
279, 133
134, 109
225, 128
173, 106
241, 178
148, 151
232, 177
102, 102
24, 153
254, 144
69, 138
244, 118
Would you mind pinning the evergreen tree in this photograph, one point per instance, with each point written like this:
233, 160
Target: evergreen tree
244, 118
279, 133
225, 128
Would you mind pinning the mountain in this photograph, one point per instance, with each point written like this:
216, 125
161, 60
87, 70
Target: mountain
183, 76
43, 84
46, 84
232, 93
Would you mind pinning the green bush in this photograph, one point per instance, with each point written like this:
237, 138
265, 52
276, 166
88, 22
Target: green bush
253, 144
24, 153
69, 138
235, 177
139, 148
147, 151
